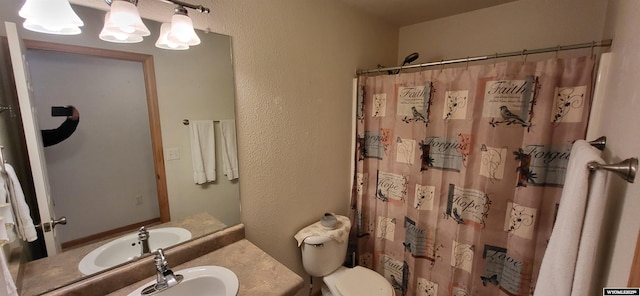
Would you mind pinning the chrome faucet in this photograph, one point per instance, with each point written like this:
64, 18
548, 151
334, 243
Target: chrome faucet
143, 239
165, 278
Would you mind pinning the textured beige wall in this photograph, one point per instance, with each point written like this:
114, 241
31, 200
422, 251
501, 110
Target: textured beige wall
514, 26
294, 61
619, 122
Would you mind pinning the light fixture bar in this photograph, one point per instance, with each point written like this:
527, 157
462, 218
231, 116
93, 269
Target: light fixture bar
134, 2
198, 8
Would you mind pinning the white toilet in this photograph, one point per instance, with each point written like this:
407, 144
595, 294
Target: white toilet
323, 255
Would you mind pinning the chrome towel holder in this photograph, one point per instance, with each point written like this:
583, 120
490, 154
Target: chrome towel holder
626, 169
599, 143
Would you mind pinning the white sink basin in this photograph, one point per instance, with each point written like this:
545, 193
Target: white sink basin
200, 281
127, 248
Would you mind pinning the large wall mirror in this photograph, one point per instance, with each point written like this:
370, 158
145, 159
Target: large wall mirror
102, 177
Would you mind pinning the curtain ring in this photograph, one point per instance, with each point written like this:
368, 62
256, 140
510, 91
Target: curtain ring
467, 66
441, 65
495, 61
593, 45
524, 56
557, 51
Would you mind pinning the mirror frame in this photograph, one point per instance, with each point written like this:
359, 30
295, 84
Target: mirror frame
153, 111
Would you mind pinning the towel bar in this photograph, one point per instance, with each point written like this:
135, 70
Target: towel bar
625, 169
599, 143
186, 121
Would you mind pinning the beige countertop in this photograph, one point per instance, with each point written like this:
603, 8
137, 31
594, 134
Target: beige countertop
51, 272
258, 273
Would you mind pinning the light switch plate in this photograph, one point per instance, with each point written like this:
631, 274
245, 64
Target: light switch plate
173, 153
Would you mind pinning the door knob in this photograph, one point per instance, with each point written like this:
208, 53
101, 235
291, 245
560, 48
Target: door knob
48, 226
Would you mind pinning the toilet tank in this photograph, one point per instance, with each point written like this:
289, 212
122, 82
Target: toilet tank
322, 255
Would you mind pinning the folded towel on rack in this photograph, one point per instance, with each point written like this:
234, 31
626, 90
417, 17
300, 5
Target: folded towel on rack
203, 151
24, 224
229, 149
4, 235
6, 212
6, 280
568, 263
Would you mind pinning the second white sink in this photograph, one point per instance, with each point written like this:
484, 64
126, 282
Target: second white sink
200, 281
127, 248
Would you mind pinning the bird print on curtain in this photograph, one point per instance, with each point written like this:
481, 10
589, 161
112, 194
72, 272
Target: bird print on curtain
459, 172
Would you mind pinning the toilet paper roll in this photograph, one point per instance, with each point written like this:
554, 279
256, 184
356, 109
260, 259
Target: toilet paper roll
329, 220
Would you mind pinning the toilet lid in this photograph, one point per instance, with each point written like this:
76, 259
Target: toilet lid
362, 281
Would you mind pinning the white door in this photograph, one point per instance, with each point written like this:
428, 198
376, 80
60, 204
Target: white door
33, 137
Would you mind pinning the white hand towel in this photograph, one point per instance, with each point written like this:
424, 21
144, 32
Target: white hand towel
24, 223
340, 232
567, 265
229, 150
590, 237
4, 236
6, 280
5, 208
203, 151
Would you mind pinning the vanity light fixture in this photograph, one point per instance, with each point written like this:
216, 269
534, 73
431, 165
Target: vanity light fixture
111, 35
182, 28
122, 23
164, 43
179, 34
50, 17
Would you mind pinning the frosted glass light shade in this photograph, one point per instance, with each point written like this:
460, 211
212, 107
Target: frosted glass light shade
182, 30
164, 43
117, 36
122, 24
50, 17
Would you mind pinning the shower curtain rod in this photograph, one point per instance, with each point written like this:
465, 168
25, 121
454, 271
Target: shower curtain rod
603, 43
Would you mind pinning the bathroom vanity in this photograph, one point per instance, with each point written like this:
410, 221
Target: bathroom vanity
257, 272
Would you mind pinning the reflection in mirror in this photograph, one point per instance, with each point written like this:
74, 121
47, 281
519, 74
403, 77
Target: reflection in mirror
110, 155
115, 122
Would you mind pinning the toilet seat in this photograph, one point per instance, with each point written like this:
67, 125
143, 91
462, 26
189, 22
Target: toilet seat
357, 281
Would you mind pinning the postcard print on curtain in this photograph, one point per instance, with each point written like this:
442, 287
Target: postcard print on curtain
459, 172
